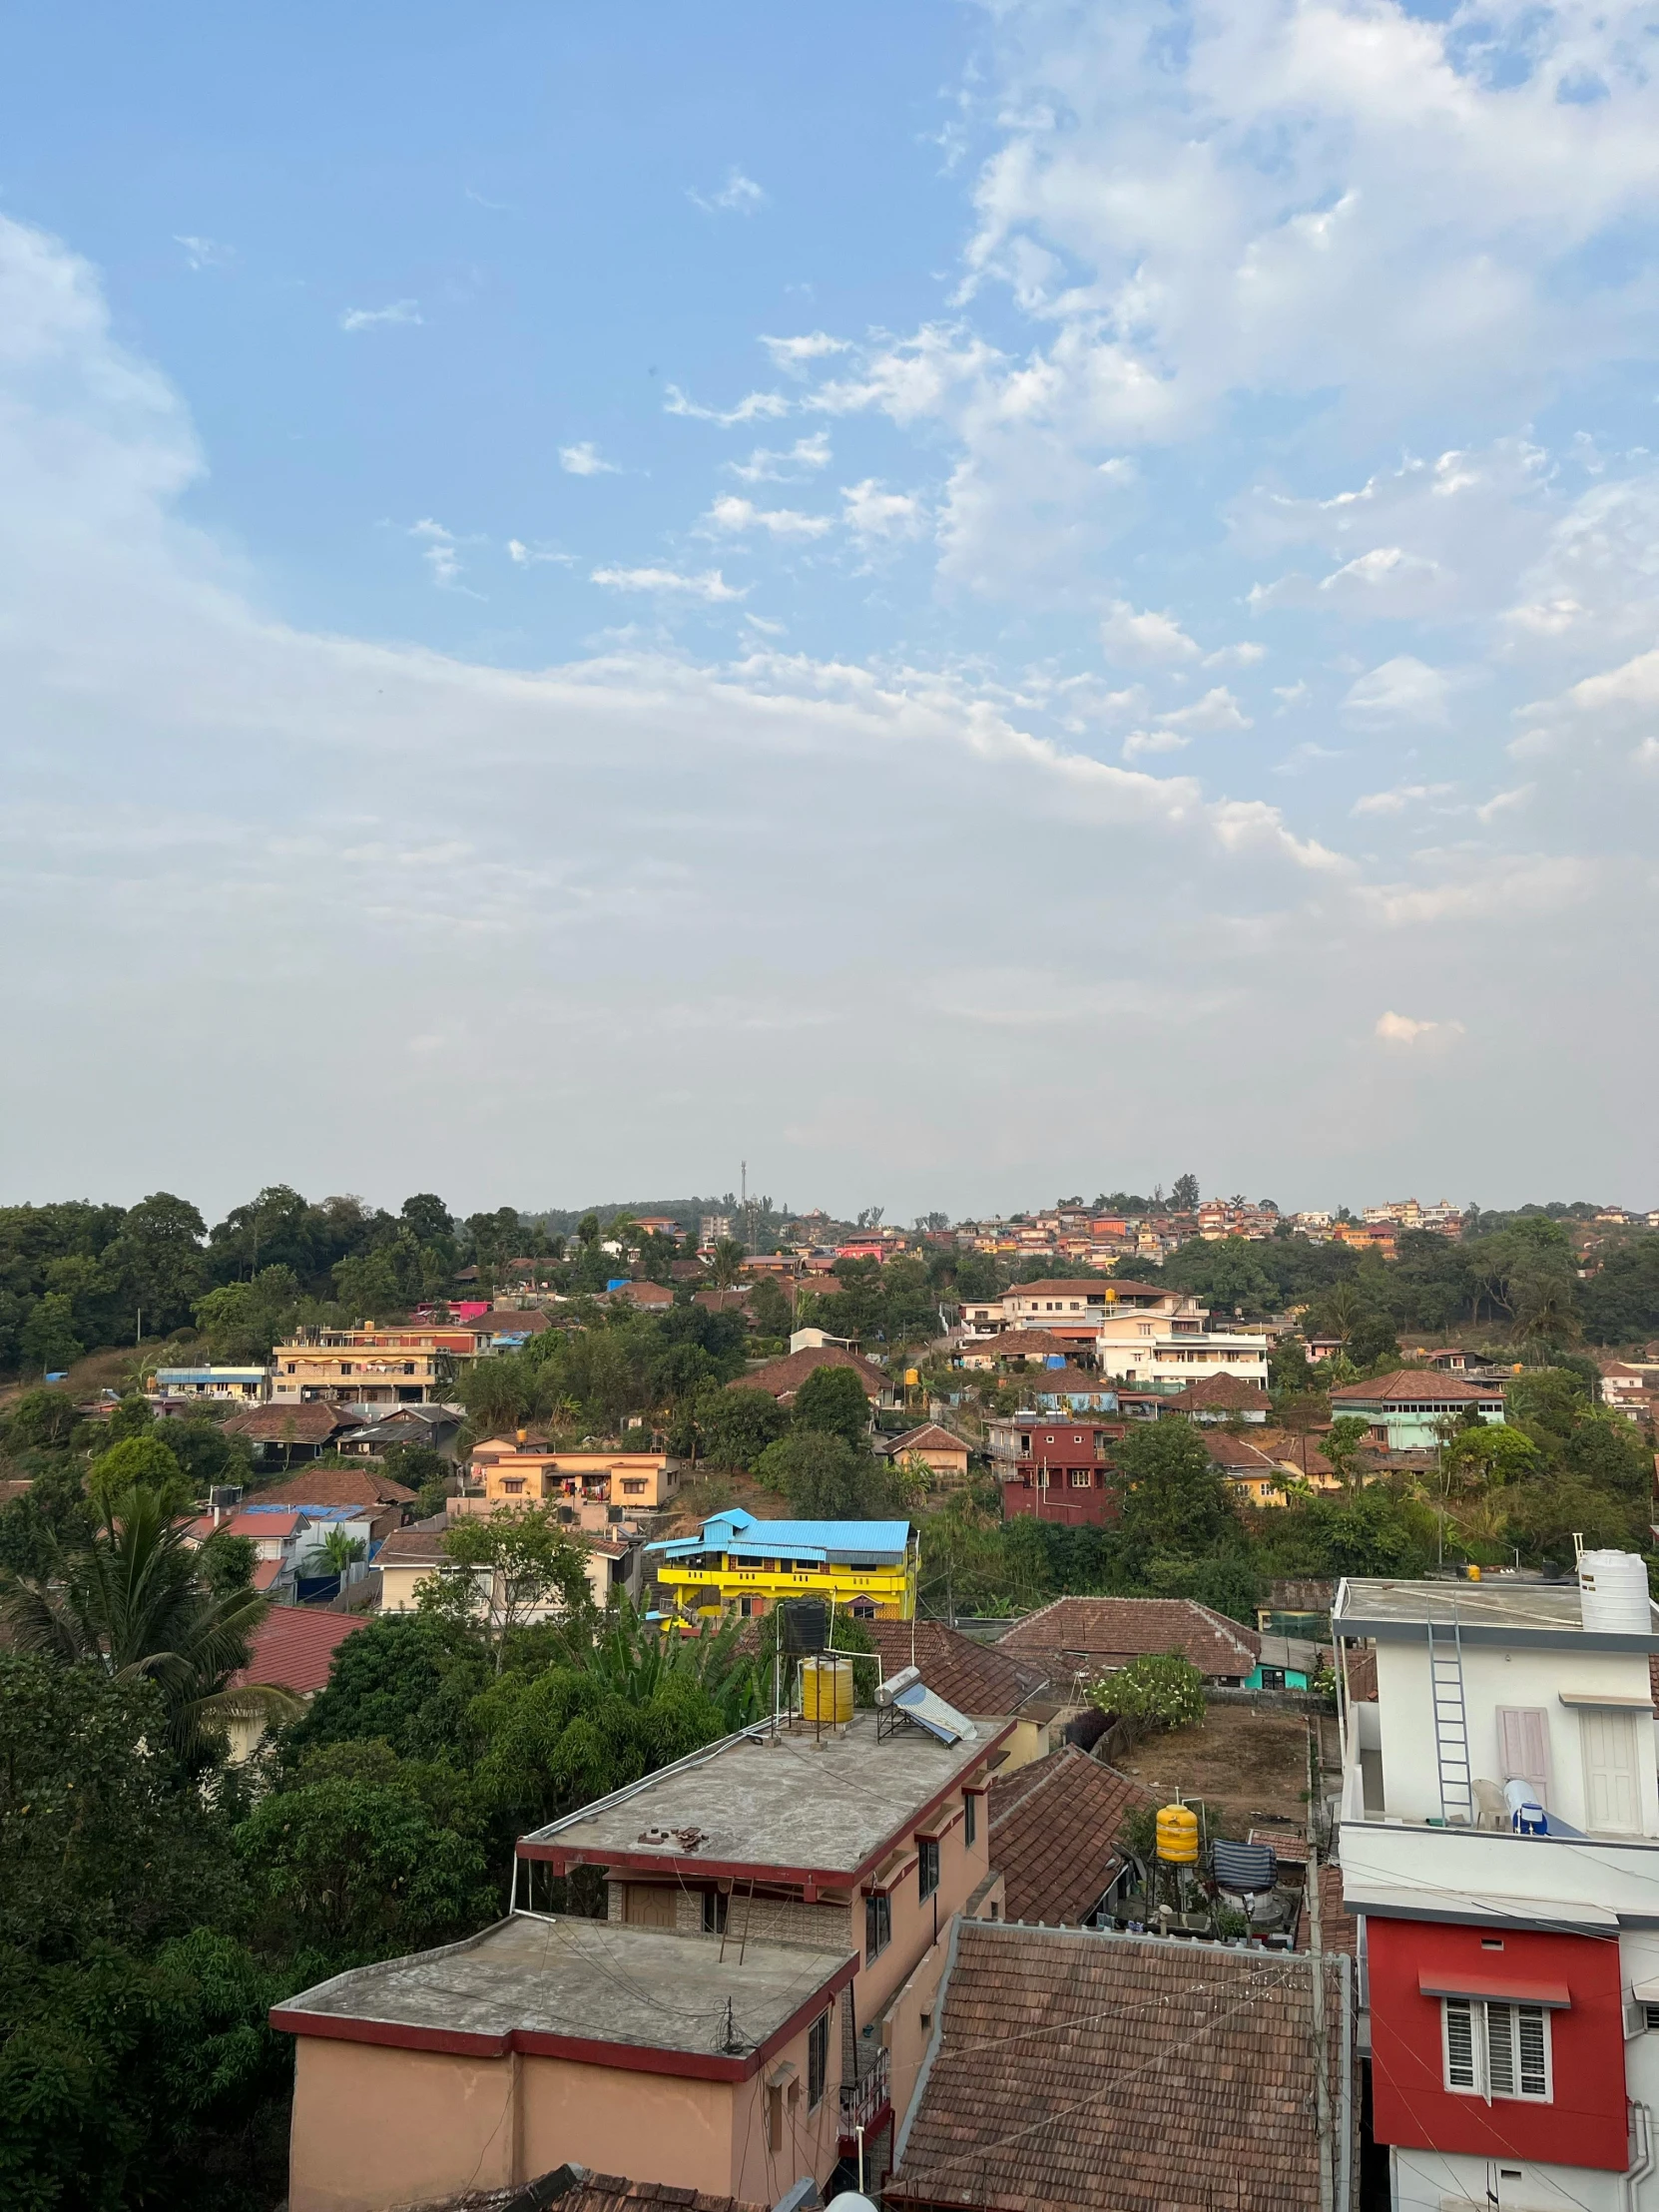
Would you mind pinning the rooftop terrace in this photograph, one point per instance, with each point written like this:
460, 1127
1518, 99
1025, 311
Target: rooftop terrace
822, 1812
1484, 1612
563, 1986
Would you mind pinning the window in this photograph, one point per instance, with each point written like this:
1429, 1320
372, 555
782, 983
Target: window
1496, 2050
970, 1819
927, 1865
818, 2060
715, 1906
1080, 1479
878, 1927
513, 1486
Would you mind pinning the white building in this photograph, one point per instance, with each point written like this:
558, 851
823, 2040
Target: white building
1499, 1844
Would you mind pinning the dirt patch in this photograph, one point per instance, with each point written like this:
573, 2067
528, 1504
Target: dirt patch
706, 1494
109, 1369
1243, 1762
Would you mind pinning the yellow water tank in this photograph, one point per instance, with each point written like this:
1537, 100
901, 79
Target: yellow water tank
826, 1690
1178, 1836
1474, 1573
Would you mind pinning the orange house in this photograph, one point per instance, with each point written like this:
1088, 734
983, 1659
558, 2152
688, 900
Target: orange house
525, 1469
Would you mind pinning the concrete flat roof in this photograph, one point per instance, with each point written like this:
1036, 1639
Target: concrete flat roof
825, 1810
584, 1988
1485, 1612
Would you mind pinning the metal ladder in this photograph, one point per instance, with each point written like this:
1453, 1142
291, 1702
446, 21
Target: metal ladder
1451, 1727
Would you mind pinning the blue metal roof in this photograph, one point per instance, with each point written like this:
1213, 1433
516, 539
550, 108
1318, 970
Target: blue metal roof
741, 1533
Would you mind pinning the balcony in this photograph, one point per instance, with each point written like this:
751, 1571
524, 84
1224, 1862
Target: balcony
866, 2101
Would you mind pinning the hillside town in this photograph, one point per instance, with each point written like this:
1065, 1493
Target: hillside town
1144, 1704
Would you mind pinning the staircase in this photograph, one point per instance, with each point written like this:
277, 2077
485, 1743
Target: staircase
1451, 1727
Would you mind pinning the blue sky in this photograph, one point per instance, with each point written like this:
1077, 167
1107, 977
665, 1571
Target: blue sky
963, 601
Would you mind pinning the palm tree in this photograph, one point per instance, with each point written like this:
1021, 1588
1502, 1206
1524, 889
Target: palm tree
132, 1597
726, 1262
340, 1550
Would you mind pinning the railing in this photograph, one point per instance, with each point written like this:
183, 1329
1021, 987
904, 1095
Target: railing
864, 2101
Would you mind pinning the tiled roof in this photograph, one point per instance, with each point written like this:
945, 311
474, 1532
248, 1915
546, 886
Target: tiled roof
1018, 1344
928, 1437
1106, 1631
265, 1524
265, 1573
1080, 2071
1338, 1929
1238, 1454
1228, 1392
293, 1648
1054, 1825
334, 1486
412, 1548
646, 1293
982, 1680
1094, 1286
513, 1321
312, 1421
783, 1377
1412, 1388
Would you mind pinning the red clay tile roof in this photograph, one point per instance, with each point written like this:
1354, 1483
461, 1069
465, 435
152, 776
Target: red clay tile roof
513, 1321
1108, 1631
982, 1680
646, 1293
591, 2193
1226, 1392
1338, 1929
1053, 1828
312, 1421
783, 1377
1359, 1671
1238, 1454
293, 1648
265, 1572
1413, 1387
1080, 2071
412, 1548
928, 1437
334, 1486
1018, 1344
1092, 1286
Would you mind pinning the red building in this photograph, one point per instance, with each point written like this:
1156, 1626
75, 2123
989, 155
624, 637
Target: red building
1055, 1470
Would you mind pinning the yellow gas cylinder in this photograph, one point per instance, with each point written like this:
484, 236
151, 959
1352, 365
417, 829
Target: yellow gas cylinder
1474, 1572
1178, 1836
826, 1690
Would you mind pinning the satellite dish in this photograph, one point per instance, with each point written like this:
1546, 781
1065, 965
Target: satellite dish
850, 2201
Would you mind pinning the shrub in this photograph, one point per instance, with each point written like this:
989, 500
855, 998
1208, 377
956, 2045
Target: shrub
1157, 1690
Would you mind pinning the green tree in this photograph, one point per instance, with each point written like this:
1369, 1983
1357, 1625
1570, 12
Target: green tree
408, 1679
1544, 1517
770, 1308
243, 1320
505, 1570
341, 1551
139, 1462
832, 1399
427, 1219
726, 1263
735, 1426
1158, 1690
226, 1563
824, 1478
43, 1418
134, 1598
157, 1261
1346, 1438
1176, 1501
134, 1417
1183, 1195
351, 1859
49, 1342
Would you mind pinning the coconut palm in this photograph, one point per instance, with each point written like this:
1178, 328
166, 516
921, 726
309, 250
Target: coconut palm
132, 1597
340, 1550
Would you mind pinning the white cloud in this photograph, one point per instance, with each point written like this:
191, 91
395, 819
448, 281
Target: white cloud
204, 253
873, 513
1218, 709
1141, 638
758, 407
763, 466
735, 516
1291, 694
708, 585
1504, 803
438, 552
1401, 796
1401, 690
1236, 656
1140, 742
1402, 1029
740, 194
796, 354
529, 556
370, 318
585, 460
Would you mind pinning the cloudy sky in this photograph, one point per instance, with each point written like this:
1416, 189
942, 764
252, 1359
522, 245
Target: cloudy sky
965, 602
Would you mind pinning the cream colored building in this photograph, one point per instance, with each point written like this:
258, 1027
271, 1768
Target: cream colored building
371, 1366
525, 1469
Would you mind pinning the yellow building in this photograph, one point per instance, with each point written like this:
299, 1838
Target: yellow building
524, 1470
740, 1564
409, 1366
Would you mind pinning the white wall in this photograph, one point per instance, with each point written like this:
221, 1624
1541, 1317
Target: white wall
1494, 1678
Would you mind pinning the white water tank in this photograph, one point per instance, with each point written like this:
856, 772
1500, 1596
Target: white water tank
1612, 1593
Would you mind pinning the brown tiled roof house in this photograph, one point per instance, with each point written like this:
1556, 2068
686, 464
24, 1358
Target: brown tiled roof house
780, 1379
1086, 2071
984, 1681
1093, 1634
1054, 1825
1218, 1396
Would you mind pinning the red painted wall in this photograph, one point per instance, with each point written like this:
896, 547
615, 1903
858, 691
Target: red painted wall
1059, 1503
1584, 2125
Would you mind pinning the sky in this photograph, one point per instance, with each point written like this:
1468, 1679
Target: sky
964, 603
